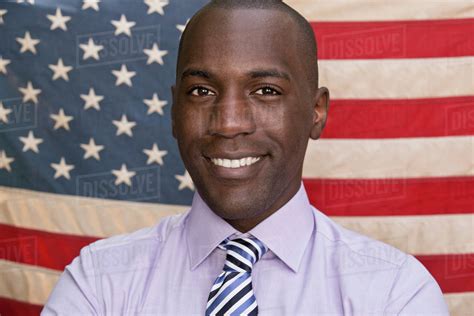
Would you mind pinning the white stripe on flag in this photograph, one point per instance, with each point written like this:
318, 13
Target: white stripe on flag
390, 158
382, 10
26, 283
398, 78
79, 215
421, 235
460, 304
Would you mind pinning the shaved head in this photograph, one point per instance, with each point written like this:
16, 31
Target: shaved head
304, 39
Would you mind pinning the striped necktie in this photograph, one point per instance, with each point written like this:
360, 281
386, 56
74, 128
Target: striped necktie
232, 292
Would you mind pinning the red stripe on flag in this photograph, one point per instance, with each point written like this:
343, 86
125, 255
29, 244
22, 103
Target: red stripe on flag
379, 197
400, 118
454, 273
395, 39
12, 307
40, 248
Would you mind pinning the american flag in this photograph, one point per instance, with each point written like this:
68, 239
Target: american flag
86, 150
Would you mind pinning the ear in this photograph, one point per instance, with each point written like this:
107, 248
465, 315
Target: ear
320, 112
173, 110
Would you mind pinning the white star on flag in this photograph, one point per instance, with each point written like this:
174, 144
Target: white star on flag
156, 6
61, 120
123, 175
155, 54
123, 26
3, 65
30, 142
30, 93
60, 70
181, 27
92, 149
62, 169
123, 76
58, 20
93, 4
2, 13
92, 100
91, 50
155, 155
28, 43
185, 181
5, 161
124, 126
155, 105
4, 113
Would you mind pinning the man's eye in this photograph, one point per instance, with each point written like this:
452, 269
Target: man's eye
201, 92
267, 91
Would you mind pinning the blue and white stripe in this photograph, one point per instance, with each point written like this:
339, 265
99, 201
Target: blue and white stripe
232, 292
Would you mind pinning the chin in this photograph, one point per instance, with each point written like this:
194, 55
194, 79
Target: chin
233, 206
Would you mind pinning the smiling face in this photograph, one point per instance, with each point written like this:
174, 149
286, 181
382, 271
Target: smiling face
243, 111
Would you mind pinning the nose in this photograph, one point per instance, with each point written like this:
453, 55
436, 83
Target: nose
232, 115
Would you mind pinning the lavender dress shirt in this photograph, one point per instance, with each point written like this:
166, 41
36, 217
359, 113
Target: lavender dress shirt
313, 267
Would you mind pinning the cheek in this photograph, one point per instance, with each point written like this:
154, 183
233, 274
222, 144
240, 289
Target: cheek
190, 124
187, 140
294, 136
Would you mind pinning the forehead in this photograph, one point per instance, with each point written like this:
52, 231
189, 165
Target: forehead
240, 38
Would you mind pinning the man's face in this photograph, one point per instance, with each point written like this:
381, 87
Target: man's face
244, 110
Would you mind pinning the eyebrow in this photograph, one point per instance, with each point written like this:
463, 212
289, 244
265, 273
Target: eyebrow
263, 73
195, 73
259, 73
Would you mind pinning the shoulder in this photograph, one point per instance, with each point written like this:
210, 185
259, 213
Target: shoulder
165, 227
126, 250
112, 265
345, 242
399, 281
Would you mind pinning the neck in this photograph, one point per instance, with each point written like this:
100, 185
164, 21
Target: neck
244, 225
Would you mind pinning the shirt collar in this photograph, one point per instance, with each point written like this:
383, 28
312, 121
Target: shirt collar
205, 231
286, 232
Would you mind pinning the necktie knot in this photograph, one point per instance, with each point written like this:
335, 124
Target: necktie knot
242, 253
232, 292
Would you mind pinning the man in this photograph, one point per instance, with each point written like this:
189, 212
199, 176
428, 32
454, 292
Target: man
245, 104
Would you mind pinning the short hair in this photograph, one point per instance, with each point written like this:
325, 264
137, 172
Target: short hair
308, 39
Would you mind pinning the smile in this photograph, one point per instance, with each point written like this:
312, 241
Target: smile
235, 163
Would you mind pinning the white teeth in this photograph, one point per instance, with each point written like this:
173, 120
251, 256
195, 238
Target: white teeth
235, 163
